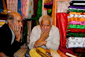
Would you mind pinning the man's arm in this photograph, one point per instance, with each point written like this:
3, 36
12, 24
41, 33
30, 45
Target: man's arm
54, 44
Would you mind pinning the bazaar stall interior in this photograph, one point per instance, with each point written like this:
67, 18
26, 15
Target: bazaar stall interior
67, 15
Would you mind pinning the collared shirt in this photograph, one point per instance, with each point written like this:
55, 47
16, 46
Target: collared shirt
53, 39
13, 36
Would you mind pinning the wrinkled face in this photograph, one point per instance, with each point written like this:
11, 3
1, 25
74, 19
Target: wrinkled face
17, 20
45, 25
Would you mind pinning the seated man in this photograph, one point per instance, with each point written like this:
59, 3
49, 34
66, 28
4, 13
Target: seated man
45, 35
10, 34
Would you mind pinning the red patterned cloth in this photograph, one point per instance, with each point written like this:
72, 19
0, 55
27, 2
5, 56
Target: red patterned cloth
61, 23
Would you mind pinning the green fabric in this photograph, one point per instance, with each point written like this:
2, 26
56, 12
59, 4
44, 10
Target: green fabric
76, 34
76, 26
76, 10
39, 10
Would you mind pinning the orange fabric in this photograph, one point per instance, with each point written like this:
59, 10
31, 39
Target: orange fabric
62, 0
61, 53
76, 19
4, 5
54, 12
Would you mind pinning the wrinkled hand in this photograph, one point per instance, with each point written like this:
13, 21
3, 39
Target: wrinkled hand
17, 32
38, 43
2, 54
44, 35
41, 41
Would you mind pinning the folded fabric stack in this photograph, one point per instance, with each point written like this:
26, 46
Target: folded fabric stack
76, 25
48, 4
2, 22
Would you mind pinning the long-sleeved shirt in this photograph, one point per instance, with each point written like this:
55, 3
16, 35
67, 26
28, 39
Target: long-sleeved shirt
53, 39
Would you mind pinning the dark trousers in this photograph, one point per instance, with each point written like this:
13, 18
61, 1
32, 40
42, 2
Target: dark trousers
27, 53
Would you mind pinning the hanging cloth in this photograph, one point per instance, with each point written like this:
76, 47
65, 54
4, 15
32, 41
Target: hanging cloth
44, 12
35, 8
12, 5
61, 23
54, 12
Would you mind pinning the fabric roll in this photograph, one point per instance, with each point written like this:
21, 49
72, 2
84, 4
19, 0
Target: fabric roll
77, 3
66, 50
49, 3
77, 23
48, 6
61, 53
76, 26
75, 35
73, 42
76, 7
74, 30
76, 10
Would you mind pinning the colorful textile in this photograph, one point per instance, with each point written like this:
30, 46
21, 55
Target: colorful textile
74, 42
48, 6
74, 30
39, 10
61, 23
77, 3
19, 7
66, 50
54, 12
47, 1
62, 6
77, 23
27, 8
12, 5
76, 10
75, 35
1, 6
35, 8
44, 12
76, 7
61, 53
30, 12
76, 26
24, 8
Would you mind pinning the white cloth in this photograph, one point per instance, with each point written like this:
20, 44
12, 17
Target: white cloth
53, 40
13, 36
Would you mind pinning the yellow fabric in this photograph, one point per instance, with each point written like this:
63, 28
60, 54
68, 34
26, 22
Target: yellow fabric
62, 0
47, 1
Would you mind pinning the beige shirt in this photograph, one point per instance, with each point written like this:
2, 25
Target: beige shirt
53, 39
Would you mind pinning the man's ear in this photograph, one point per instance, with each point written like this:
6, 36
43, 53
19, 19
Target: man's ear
9, 21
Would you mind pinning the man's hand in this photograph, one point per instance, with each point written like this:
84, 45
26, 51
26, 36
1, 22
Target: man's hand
44, 36
39, 43
17, 32
42, 39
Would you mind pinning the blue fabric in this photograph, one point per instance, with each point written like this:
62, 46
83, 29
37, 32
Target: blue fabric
19, 7
1, 6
